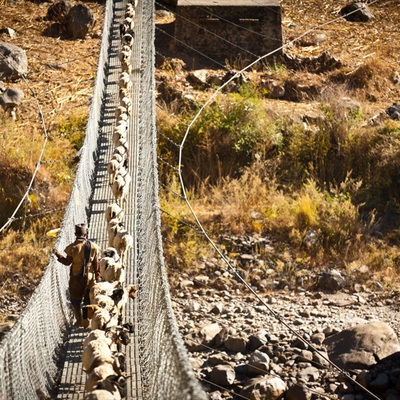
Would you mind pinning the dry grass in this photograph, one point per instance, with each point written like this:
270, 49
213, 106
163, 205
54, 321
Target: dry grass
59, 85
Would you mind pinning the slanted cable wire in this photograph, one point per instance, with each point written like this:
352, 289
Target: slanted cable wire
212, 243
38, 164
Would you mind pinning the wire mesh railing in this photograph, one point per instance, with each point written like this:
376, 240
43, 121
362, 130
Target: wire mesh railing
30, 353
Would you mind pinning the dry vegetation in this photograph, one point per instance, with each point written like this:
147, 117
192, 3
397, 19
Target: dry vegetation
58, 86
239, 192
253, 168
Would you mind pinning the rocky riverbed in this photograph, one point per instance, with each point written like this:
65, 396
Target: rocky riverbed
278, 347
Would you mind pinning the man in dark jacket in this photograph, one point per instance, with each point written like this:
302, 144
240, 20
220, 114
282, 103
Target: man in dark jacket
82, 256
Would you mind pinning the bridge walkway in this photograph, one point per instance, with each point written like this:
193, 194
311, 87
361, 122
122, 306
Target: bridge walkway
73, 377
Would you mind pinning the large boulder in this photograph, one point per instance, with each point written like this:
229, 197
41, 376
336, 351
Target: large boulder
13, 62
80, 21
362, 345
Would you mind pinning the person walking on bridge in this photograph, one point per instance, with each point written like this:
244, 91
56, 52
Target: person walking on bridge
82, 256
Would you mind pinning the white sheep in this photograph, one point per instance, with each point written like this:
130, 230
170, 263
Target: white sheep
119, 132
130, 11
123, 141
101, 288
114, 335
96, 352
128, 39
122, 115
111, 229
124, 92
113, 210
121, 295
105, 302
102, 318
120, 186
126, 102
127, 67
120, 110
111, 387
112, 170
123, 242
125, 57
113, 271
125, 81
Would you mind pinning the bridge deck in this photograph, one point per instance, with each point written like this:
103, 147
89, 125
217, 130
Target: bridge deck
73, 377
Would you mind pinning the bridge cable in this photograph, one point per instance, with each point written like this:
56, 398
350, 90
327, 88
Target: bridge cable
342, 371
38, 164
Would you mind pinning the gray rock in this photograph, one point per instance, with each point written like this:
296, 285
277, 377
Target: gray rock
309, 374
357, 11
266, 387
10, 100
331, 281
258, 363
318, 338
80, 21
13, 61
223, 375
362, 345
257, 340
198, 78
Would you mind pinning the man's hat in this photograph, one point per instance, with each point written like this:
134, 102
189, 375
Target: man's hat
81, 230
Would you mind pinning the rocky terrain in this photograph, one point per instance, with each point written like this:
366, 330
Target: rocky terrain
239, 349
242, 347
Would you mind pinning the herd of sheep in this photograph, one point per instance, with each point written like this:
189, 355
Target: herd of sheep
102, 359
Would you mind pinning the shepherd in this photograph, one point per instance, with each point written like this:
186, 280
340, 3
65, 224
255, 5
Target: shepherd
82, 256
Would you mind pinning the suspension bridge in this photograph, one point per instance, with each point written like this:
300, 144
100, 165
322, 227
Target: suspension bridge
40, 357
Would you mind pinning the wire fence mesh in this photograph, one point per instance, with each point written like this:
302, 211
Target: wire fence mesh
30, 352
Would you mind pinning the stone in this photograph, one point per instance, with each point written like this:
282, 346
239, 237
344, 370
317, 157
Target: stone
318, 338
380, 383
8, 31
13, 62
309, 374
223, 375
298, 392
362, 345
394, 111
331, 281
258, 363
357, 11
265, 387
257, 340
80, 21
10, 100
236, 344
198, 78
58, 11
